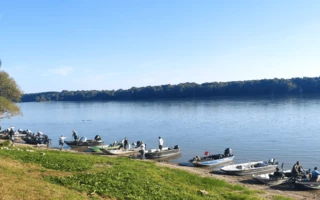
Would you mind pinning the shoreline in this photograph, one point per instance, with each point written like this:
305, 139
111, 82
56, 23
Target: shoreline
248, 182
245, 181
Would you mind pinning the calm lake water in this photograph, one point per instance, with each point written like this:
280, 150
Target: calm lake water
286, 129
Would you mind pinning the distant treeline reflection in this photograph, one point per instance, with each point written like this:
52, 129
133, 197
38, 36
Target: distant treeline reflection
188, 90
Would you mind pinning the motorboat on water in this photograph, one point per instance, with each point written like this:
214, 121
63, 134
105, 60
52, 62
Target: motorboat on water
250, 168
213, 160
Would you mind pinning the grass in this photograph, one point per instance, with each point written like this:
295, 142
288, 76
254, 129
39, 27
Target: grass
58, 174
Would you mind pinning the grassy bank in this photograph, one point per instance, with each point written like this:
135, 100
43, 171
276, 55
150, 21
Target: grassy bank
49, 174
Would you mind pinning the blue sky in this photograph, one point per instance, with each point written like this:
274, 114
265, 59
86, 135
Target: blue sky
112, 44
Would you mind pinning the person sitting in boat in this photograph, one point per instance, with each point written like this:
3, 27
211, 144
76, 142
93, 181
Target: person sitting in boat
297, 170
278, 174
315, 175
97, 138
75, 135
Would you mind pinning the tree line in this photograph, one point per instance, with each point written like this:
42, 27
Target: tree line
274, 86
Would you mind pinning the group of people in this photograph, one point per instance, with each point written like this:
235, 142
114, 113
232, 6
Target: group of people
39, 137
143, 147
297, 170
125, 144
76, 139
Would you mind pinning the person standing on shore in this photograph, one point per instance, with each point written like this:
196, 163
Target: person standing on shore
160, 143
11, 135
142, 150
61, 141
75, 135
126, 143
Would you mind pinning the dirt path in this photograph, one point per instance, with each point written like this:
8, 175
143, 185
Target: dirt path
246, 181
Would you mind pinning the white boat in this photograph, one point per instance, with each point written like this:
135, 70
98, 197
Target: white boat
249, 168
271, 180
120, 151
213, 160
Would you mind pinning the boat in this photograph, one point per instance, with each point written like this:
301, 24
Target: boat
87, 143
306, 184
105, 147
35, 140
305, 181
213, 160
83, 143
120, 151
272, 180
165, 152
249, 168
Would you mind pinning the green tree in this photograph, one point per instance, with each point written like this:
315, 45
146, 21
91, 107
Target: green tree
10, 93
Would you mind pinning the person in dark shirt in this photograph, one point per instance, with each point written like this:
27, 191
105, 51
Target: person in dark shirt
126, 143
297, 169
278, 174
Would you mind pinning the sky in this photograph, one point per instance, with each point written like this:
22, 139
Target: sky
118, 44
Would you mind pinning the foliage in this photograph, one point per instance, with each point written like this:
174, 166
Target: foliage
140, 180
277, 197
51, 159
275, 86
9, 93
5, 143
121, 178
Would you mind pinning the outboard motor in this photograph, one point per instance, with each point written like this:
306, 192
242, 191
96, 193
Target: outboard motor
271, 161
97, 137
176, 147
227, 152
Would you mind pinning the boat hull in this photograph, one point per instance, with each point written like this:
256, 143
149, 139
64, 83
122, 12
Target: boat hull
75, 144
307, 185
249, 168
265, 179
33, 141
211, 163
119, 151
162, 154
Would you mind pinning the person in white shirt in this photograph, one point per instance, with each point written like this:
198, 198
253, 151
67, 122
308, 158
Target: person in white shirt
160, 143
61, 141
142, 149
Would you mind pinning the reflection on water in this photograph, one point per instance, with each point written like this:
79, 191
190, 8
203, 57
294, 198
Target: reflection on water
255, 129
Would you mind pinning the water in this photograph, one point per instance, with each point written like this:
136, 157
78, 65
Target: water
286, 129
